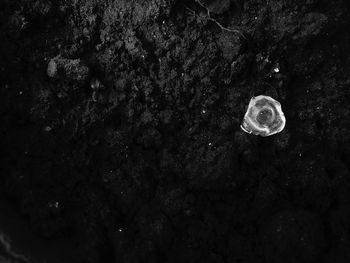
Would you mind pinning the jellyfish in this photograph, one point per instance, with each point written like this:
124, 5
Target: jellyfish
264, 117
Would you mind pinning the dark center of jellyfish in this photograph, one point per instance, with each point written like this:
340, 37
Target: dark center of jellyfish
264, 116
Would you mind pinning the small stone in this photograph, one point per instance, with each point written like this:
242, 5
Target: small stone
95, 84
264, 117
52, 68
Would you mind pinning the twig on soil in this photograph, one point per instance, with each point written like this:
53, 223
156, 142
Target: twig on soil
6, 246
208, 17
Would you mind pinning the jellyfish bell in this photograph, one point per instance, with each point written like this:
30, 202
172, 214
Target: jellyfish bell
264, 116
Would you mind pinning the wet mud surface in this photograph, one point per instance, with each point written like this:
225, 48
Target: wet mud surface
120, 131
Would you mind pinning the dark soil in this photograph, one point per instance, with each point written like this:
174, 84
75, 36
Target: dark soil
120, 137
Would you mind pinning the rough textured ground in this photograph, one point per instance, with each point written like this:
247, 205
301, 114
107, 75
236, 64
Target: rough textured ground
120, 130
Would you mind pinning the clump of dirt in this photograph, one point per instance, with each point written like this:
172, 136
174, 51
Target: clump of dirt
120, 127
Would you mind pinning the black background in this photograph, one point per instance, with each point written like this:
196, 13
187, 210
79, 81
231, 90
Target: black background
132, 151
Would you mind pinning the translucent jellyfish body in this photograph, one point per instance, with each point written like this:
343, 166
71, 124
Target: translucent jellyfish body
264, 117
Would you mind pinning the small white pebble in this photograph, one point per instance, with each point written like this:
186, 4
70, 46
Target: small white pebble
274, 123
54, 204
209, 144
276, 70
48, 128
52, 68
204, 111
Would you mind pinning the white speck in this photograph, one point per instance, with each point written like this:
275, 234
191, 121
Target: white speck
256, 18
55, 204
48, 128
163, 22
276, 70
21, 92
120, 230
204, 111
209, 144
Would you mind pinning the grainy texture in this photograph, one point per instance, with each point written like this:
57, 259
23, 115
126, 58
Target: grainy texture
130, 146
